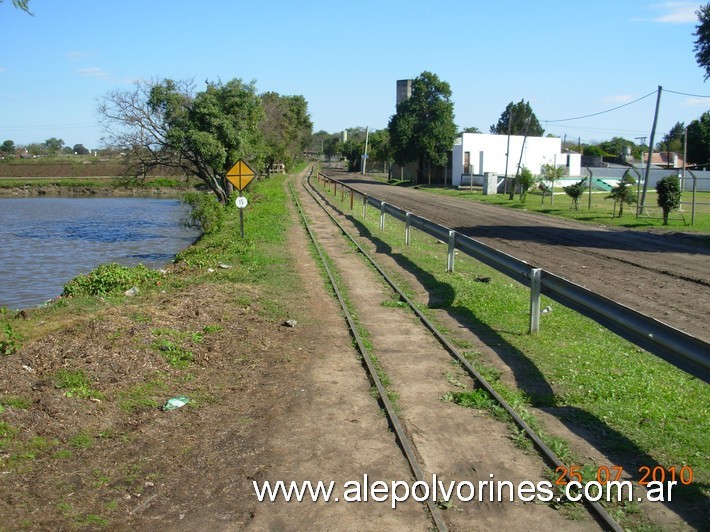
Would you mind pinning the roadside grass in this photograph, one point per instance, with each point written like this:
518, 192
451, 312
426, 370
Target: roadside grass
601, 210
643, 410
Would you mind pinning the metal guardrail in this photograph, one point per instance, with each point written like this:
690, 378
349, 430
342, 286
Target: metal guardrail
681, 349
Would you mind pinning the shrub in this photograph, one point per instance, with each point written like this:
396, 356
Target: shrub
575, 192
206, 212
108, 279
623, 193
668, 199
524, 180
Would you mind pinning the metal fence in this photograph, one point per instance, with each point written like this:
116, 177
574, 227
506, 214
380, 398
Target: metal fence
683, 350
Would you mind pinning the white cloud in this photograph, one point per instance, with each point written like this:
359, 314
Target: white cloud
673, 13
78, 56
92, 72
697, 102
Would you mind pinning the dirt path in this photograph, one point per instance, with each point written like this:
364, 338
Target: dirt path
666, 276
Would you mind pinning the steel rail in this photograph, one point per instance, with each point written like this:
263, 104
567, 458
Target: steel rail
405, 444
597, 509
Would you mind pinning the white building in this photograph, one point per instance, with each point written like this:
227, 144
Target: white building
475, 154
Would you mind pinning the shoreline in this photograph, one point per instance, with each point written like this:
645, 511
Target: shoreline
44, 190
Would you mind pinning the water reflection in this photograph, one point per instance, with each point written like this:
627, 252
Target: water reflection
48, 241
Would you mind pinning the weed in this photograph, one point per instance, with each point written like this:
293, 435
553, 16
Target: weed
11, 341
141, 318
101, 479
112, 505
15, 401
174, 354
7, 433
81, 441
208, 329
76, 384
90, 520
142, 396
110, 279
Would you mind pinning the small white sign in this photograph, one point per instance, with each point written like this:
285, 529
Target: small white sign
241, 202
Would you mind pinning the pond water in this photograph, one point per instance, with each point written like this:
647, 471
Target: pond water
45, 242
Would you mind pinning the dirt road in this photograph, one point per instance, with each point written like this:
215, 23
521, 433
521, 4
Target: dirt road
666, 276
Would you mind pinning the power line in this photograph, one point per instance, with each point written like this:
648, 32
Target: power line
602, 112
686, 94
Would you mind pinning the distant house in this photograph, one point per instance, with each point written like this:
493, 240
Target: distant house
665, 159
476, 154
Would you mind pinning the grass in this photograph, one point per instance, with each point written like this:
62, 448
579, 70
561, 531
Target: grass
645, 410
76, 384
93, 182
601, 210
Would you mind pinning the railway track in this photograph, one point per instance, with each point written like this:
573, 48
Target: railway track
435, 437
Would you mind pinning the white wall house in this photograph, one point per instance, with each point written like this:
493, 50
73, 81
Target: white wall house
477, 153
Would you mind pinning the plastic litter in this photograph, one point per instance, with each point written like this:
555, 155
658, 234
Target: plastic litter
175, 403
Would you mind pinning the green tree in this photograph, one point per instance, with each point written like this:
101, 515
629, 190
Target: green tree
616, 146
330, 147
593, 150
552, 173
379, 148
168, 124
702, 41
575, 192
352, 149
623, 193
7, 147
79, 149
318, 140
286, 127
518, 119
668, 198
21, 4
673, 140
53, 145
423, 128
472, 129
699, 139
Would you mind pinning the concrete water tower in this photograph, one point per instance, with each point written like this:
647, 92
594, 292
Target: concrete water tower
404, 90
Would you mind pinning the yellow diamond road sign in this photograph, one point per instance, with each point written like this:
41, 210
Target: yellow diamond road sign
240, 175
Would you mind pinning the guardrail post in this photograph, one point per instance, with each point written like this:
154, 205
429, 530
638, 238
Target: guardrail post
452, 249
382, 216
364, 205
535, 281
407, 227
335, 188
352, 198
342, 193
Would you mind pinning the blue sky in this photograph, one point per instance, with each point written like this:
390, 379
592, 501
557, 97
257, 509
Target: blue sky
567, 58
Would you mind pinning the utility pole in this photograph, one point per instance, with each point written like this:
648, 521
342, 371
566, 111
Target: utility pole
364, 156
507, 155
642, 203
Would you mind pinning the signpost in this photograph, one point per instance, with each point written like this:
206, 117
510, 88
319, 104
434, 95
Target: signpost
240, 175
